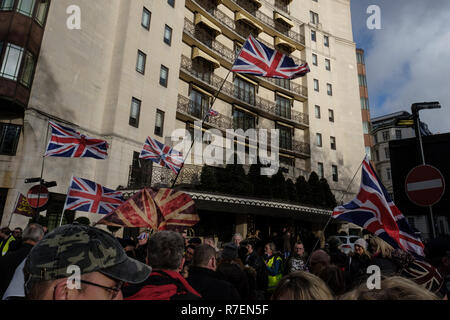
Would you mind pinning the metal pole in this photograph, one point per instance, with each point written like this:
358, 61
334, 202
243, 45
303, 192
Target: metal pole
422, 159
12, 213
36, 216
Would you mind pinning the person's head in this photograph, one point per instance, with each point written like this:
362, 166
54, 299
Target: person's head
334, 243
302, 286
270, 249
205, 257
237, 238
250, 247
361, 247
78, 262
4, 233
380, 247
229, 252
165, 250
318, 261
299, 249
393, 288
17, 233
189, 254
334, 277
33, 233
195, 241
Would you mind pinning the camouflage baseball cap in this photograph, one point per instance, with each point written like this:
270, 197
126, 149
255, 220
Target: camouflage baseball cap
89, 248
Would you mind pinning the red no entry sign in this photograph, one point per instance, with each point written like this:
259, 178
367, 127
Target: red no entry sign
35, 193
424, 185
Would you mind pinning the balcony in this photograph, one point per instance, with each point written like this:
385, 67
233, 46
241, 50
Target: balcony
293, 147
140, 176
189, 109
226, 56
282, 5
231, 94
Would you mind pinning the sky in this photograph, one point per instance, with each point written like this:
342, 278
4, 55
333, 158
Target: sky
408, 59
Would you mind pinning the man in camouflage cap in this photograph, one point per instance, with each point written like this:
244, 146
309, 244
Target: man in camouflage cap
77, 262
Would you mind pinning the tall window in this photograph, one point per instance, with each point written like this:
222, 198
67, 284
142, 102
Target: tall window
331, 115
388, 174
328, 64
398, 134
320, 172
314, 17
316, 85
386, 136
171, 3
244, 90
9, 138
164, 76
159, 123
386, 153
140, 64
26, 7
360, 57
369, 152
317, 112
135, 112
199, 103
334, 170
11, 62
319, 139
314, 58
41, 12
6, 5
364, 104
202, 69
362, 80
333, 143
365, 127
326, 41
285, 137
329, 89
168, 35
313, 35
283, 106
27, 70
243, 120
146, 18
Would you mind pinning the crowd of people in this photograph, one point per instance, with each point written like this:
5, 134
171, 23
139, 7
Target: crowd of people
168, 265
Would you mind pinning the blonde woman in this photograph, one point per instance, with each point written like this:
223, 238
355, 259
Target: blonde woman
302, 286
382, 256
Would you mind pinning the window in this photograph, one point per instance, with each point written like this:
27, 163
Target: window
326, 41
313, 35
360, 57
244, 90
329, 89
146, 18
287, 161
377, 153
168, 35
362, 80
285, 137
164, 76
364, 104
320, 170
369, 153
365, 127
314, 56
135, 112
243, 120
331, 115
202, 69
9, 138
398, 134
198, 104
317, 112
11, 62
376, 137
159, 123
316, 85
386, 135
28, 70
41, 12
334, 170
6, 5
388, 174
171, 3
328, 64
319, 139
333, 143
140, 64
386, 153
314, 17
283, 106
26, 7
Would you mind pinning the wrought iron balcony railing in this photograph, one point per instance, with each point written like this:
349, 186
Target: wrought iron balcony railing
189, 107
232, 91
139, 177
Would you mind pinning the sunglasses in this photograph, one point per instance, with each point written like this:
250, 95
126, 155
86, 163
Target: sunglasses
115, 290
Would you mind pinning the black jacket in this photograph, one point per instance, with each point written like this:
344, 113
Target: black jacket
387, 266
210, 284
358, 268
257, 262
9, 263
232, 272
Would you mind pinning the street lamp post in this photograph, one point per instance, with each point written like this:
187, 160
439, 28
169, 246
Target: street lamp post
415, 108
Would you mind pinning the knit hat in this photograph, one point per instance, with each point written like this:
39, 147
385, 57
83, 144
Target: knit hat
362, 243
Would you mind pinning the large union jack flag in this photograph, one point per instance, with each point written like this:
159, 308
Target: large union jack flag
374, 210
68, 143
259, 60
163, 155
88, 196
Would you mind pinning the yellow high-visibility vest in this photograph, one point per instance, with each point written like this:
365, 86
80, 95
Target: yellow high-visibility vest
6, 247
273, 280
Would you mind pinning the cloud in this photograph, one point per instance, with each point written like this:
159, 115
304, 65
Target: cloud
409, 59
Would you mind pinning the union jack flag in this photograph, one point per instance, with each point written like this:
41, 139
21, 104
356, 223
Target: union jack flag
163, 155
68, 143
259, 60
424, 274
374, 210
88, 196
213, 113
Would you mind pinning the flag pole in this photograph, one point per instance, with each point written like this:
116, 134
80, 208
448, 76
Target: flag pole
216, 96
15, 206
64, 208
331, 217
36, 216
